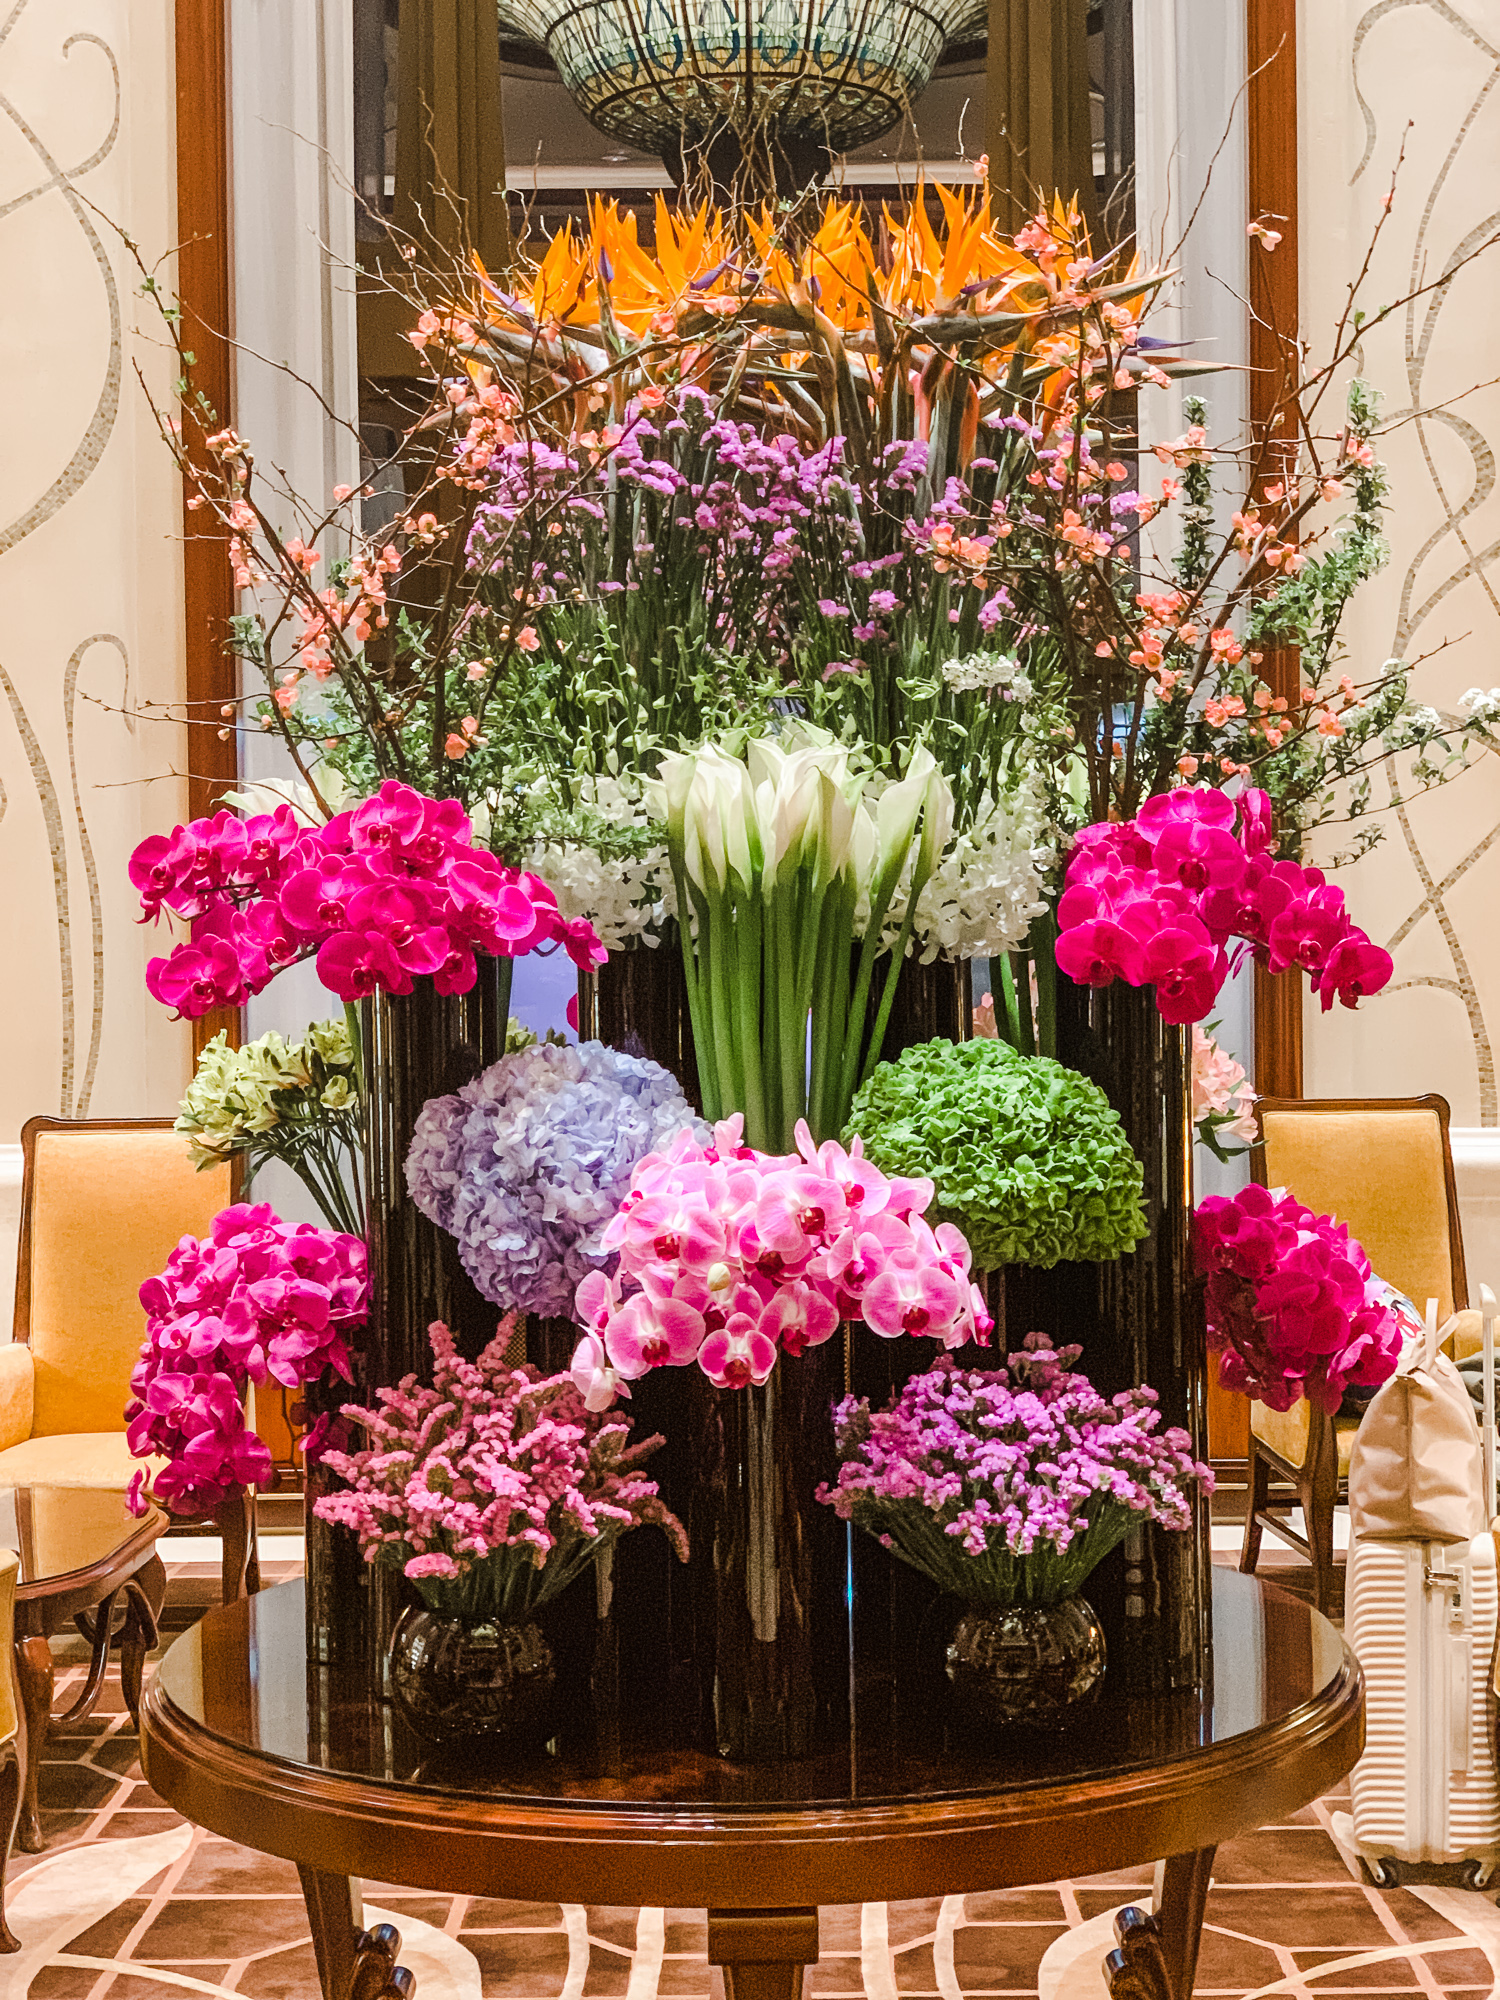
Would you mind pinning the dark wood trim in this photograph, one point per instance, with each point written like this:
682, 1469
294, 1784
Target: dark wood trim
203, 289
699, 1856
44, 1603
1271, 129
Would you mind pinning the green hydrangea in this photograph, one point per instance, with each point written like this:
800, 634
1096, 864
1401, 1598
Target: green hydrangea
1029, 1159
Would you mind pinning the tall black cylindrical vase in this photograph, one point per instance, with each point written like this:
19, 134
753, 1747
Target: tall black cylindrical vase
417, 1046
1139, 1318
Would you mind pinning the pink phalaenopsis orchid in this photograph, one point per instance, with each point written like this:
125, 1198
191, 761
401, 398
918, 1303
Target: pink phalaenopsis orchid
729, 1258
1157, 902
1293, 1306
494, 1488
392, 891
257, 1300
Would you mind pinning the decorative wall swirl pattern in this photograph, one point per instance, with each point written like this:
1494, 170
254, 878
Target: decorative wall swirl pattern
1423, 73
88, 569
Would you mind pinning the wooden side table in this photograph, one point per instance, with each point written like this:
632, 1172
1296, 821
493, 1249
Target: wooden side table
82, 1554
242, 1735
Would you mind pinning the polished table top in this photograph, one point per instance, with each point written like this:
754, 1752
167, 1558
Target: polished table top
241, 1733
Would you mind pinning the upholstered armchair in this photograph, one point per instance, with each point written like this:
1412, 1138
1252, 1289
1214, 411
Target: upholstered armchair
103, 1204
1383, 1166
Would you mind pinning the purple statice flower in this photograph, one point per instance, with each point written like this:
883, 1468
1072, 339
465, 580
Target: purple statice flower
1008, 1485
527, 1164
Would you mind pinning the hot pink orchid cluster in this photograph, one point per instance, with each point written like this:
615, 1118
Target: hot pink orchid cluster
256, 1300
1157, 900
729, 1257
1293, 1306
391, 890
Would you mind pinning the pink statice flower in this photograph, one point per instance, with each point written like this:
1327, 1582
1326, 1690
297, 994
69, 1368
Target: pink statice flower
1293, 1306
728, 1258
392, 891
256, 1300
1006, 1486
496, 1487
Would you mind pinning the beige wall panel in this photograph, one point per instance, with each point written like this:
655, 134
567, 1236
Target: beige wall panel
1430, 891
90, 570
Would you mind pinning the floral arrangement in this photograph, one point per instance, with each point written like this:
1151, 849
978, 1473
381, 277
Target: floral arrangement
1293, 1306
729, 1257
1154, 901
782, 864
297, 1102
527, 1164
256, 1300
492, 1490
1027, 1158
1223, 1103
390, 890
1008, 1485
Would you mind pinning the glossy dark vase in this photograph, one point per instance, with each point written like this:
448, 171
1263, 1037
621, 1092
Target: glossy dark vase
770, 1593
458, 1683
1139, 1318
417, 1045
1029, 1663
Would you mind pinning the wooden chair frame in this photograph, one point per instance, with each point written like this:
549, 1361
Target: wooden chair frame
1316, 1484
234, 1517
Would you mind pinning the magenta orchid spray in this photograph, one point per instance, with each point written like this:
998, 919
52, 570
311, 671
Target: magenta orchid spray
256, 1300
1294, 1308
1007, 1486
492, 1490
729, 1257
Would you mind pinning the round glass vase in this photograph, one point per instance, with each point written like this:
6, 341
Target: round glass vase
1027, 1663
461, 1681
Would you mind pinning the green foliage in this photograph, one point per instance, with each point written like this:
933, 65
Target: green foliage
1028, 1158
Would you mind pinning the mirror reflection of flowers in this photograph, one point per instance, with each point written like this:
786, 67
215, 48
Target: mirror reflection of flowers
729, 1257
1223, 1102
296, 1102
492, 1490
527, 1165
1008, 1485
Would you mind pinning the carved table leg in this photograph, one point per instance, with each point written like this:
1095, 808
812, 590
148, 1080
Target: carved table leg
336, 1919
96, 1629
34, 1678
763, 1952
1157, 1957
145, 1594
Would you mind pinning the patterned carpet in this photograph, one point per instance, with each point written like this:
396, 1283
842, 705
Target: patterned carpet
132, 1903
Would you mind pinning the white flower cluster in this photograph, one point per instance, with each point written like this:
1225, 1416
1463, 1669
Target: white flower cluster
624, 898
975, 671
984, 892
1480, 704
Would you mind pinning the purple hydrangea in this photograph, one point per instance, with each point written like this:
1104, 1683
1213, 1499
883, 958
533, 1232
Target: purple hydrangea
527, 1164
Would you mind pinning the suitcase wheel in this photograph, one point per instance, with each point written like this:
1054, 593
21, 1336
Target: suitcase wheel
1477, 1874
1387, 1873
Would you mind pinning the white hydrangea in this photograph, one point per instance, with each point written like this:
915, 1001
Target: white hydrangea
981, 897
1480, 704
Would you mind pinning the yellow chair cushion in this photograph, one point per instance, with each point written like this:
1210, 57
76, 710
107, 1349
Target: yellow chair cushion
76, 1458
1285, 1431
1382, 1172
10, 1564
107, 1209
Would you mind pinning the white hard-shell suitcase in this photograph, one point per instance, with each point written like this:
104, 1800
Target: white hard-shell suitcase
1421, 1618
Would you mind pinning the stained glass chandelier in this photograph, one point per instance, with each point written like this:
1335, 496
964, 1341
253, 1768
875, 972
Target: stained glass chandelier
806, 76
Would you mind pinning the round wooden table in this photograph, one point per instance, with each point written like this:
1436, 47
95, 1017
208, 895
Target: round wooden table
243, 1736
